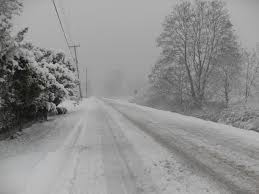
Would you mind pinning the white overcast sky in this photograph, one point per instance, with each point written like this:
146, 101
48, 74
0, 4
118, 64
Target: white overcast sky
118, 33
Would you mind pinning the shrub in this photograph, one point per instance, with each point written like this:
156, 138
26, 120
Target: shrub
61, 110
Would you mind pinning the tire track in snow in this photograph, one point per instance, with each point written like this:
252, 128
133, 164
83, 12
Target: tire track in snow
46, 176
123, 168
190, 154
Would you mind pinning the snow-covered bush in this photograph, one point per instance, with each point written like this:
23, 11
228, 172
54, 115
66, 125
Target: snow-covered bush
242, 116
57, 71
33, 80
51, 108
61, 110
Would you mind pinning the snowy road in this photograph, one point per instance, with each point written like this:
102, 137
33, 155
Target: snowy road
113, 147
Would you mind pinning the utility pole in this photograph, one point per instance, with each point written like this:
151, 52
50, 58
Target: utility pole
257, 49
76, 60
86, 82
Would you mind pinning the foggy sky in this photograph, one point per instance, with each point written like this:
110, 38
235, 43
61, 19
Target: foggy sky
118, 34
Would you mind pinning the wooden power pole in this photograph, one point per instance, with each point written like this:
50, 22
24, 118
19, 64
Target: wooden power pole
86, 82
77, 67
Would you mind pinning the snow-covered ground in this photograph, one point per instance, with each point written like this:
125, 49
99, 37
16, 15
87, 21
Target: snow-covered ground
70, 105
115, 147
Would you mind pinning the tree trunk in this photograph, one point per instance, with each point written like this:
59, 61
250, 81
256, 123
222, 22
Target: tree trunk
189, 74
226, 96
19, 120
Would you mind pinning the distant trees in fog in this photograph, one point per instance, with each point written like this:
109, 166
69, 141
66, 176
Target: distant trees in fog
114, 83
201, 57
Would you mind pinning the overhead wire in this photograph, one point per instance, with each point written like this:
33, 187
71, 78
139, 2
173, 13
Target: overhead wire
62, 28
66, 20
67, 42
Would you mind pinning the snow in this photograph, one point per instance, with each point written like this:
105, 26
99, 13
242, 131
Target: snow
168, 116
170, 175
50, 168
37, 152
70, 105
216, 149
107, 146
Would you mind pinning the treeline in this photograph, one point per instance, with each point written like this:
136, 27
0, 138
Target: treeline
33, 80
201, 58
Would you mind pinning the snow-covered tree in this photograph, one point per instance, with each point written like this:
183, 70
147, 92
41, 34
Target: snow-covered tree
33, 79
61, 70
8, 8
250, 73
191, 41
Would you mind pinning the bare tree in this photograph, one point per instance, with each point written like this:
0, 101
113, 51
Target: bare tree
229, 65
193, 36
170, 79
251, 72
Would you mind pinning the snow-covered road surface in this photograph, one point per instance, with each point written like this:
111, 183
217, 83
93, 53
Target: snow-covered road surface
113, 147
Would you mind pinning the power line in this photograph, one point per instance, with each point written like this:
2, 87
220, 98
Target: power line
62, 28
69, 46
65, 20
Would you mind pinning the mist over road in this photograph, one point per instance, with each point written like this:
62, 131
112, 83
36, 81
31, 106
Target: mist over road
114, 147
